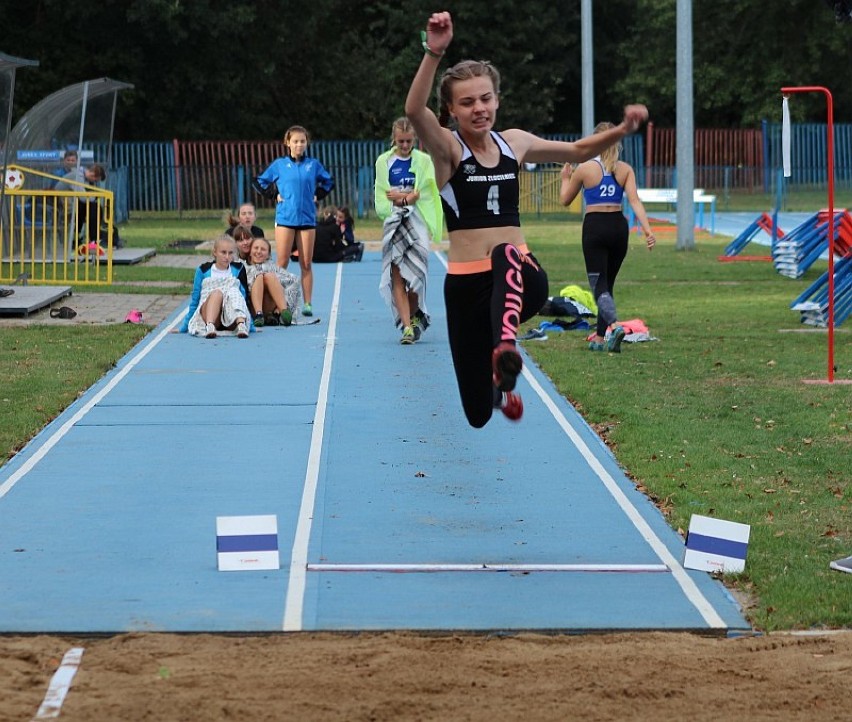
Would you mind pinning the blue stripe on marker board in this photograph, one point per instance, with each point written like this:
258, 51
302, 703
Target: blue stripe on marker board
714, 545
247, 543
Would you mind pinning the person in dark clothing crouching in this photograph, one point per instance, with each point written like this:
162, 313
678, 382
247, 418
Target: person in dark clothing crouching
329, 245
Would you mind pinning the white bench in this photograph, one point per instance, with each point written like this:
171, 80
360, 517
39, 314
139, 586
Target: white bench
668, 196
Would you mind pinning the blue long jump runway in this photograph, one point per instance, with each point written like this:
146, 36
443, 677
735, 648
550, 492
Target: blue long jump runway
392, 512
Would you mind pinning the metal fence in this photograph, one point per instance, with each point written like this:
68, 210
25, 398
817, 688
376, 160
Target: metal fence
182, 176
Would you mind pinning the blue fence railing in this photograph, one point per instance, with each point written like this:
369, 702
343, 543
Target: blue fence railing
808, 154
190, 176
209, 175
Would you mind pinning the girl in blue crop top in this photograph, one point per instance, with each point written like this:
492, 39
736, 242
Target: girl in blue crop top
604, 181
493, 282
607, 191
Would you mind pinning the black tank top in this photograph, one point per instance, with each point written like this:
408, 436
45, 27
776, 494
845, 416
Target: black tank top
480, 197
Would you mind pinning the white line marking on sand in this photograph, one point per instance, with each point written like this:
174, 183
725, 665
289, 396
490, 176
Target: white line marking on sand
294, 603
56, 437
60, 683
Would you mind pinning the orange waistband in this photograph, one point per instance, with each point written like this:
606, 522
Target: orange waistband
463, 268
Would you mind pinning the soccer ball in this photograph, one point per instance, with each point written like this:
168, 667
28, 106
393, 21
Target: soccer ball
14, 179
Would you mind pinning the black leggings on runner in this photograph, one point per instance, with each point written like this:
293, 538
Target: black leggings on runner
605, 237
484, 309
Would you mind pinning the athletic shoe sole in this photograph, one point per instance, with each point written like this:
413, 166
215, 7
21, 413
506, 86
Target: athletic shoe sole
512, 406
506, 364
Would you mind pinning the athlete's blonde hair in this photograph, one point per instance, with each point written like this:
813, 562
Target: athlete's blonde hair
609, 157
401, 125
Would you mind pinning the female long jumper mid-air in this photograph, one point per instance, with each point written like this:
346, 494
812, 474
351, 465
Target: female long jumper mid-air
493, 282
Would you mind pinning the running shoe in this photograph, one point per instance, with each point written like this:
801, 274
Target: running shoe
286, 317
615, 339
415, 326
506, 364
407, 336
307, 310
596, 346
210, 331
258, 320
842, 565
512, 406
242, 330
534, 334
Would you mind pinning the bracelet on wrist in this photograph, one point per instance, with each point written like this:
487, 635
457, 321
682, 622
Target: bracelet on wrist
426, 48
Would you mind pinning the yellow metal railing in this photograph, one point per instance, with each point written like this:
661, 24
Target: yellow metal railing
44, 233
540, 192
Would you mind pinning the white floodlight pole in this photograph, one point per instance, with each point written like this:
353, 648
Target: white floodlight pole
587, 77
685, 146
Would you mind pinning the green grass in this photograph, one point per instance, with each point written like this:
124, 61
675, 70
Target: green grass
714, 418
48, 367
800, 200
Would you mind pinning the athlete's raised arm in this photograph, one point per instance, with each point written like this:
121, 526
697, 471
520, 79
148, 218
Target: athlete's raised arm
436, 139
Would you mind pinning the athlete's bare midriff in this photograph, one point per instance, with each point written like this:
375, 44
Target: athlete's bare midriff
603, 208
476, 244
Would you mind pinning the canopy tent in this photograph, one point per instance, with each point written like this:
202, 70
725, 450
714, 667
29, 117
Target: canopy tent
8, 66
78, 117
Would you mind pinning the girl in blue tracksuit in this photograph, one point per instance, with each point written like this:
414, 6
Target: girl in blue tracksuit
296, 181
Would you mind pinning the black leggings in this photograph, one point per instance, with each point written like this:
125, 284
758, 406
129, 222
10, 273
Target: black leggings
605, 237
483, 310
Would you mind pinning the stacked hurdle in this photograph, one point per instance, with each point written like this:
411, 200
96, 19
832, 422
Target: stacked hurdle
801, 248
764, 222
813, 303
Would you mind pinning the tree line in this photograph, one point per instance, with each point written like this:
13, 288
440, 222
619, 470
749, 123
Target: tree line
247, 69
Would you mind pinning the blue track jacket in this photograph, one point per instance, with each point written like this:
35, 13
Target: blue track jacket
297, 184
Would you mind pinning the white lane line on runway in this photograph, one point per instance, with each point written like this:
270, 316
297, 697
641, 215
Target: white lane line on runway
629, 568
295, 601
57, 436
690, 589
